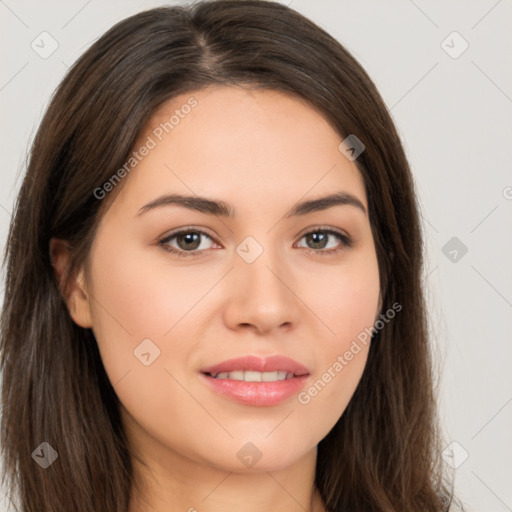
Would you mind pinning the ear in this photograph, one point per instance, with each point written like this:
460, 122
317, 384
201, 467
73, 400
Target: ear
74, 291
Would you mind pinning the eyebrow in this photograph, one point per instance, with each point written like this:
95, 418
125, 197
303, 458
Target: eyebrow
220, 208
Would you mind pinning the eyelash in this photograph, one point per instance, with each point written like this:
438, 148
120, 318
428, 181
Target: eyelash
346, 242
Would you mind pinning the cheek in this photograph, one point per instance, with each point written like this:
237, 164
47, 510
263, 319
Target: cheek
134, 299
346, 301
346, 298
137, 294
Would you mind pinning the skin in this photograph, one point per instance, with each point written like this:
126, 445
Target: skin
261, 152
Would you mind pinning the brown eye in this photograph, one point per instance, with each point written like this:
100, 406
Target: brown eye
188, 242
319, 240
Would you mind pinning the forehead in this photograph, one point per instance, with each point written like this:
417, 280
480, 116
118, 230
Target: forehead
248, 147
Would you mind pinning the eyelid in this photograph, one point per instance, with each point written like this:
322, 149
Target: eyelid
321, 227
186, 229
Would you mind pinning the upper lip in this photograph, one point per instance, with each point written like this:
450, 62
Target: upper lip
258, 364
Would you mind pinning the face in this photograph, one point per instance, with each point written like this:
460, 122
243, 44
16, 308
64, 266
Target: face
172, 289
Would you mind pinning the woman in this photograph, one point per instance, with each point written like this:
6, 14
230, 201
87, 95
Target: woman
279, 362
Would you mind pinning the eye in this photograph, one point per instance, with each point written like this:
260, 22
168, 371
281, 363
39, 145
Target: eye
188, 240
319, 239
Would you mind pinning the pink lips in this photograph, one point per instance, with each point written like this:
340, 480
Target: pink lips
257, 393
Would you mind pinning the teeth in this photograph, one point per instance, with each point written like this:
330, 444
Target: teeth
252, 376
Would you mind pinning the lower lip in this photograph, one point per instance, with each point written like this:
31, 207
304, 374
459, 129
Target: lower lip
257, 393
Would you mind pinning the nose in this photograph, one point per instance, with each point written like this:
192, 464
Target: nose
262, 296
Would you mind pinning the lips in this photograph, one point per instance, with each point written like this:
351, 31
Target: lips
256, 381
257, 364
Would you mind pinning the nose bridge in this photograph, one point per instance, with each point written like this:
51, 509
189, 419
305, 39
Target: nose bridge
263, 297
257, 265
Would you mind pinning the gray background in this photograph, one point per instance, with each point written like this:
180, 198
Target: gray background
453, 113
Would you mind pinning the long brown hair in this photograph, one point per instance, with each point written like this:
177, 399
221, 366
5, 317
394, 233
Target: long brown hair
384, 452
